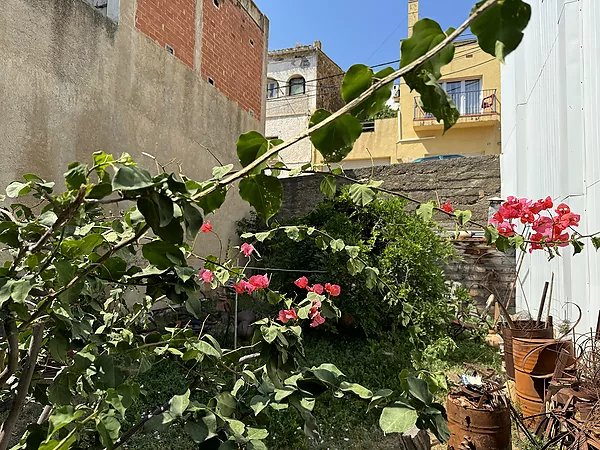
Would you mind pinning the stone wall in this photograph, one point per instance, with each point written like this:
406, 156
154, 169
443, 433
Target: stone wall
467, 182
329, 83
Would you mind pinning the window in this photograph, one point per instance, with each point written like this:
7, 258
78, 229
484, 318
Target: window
297, 86
466, 95
272, 88
170, 49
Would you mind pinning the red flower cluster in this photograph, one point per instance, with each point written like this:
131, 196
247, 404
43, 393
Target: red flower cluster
315, 315
550, 230
447, 207
287, 314
332, 289
254, 283
206, 227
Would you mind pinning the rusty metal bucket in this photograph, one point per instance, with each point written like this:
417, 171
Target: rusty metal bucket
525, 330
477, 429
535, 362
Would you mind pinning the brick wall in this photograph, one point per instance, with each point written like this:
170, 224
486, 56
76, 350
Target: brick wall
329, 95
169, 22
228, 56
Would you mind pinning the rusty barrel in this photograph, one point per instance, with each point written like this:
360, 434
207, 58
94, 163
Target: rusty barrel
535, 362
477, 429
525, 329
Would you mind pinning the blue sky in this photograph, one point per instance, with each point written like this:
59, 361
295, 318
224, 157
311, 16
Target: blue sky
353, 31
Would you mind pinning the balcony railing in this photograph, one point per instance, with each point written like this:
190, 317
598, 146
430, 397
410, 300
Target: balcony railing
471, 103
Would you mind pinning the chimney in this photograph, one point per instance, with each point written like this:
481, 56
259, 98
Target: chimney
413, 15
317, 45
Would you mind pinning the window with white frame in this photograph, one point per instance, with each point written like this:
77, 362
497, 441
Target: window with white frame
297, 85
272, 88
466, 95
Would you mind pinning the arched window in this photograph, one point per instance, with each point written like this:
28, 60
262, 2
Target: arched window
297, 85
272, 88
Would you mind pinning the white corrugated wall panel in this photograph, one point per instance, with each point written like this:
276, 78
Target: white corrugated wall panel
551, 143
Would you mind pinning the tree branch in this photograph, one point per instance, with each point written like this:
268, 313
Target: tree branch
353, 104
22, 388
13, 350
138, 426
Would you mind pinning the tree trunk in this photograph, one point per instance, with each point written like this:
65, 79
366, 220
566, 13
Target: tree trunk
415, 439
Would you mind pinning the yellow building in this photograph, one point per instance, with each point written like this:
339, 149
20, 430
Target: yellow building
473, 82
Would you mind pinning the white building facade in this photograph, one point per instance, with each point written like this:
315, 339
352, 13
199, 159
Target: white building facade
551, 146
300, 80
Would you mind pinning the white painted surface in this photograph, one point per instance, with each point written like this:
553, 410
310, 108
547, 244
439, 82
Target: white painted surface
288, 116
551, 144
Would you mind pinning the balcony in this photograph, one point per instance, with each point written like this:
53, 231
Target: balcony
477, 109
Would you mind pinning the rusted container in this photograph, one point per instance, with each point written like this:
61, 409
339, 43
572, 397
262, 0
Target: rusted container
477, 429
535, 362
525, 329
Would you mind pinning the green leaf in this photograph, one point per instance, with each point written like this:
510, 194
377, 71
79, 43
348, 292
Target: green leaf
179, 404
596, 242
357, 389
59, 345
213, 201
121, 398
398, 418
256, 433
258, 403
19, 290
108, 374
577, 246
337, 245
172, 233
102, 161
207, 349
273, 297
16, 189
194, 307
355, 266
238, 428
76, 176
75, 248
425, 211
361, 195
59, 394
335, 140
352, 250
62, 416
163, 254
192, 218
462, 217
357, 80
419, 389
197, 431
257, 445
328, 186
226, 404
131, 178
165, 208
221, 171
491, 234
264, 193
503, 244
499, 30
251, 146
108, 428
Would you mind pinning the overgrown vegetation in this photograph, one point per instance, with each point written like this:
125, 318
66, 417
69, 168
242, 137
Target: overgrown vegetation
406, 253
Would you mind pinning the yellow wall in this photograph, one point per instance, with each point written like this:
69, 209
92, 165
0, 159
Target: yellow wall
472, 135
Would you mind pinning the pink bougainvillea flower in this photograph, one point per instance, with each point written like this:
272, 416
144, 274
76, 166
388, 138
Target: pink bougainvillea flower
317, 320
497, 218
287, 314
563, 209
543, 225
247, 249
314, 309
206, 275
535, 241
447, 207
333, 289
259, 281
240, 286
527, 217
317, 288
569, 220
301, 282
206, 227
506, 229
547, 202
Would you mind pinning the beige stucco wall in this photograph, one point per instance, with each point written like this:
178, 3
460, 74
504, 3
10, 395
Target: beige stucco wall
72, 82
477, 137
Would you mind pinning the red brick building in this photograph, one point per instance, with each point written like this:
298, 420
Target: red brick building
224, 41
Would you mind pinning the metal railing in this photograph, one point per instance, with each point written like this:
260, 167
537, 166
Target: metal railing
469, 103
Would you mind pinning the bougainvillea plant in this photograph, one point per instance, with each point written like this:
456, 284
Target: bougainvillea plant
86, 263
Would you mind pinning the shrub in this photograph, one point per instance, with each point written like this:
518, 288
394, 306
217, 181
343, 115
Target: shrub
407, 252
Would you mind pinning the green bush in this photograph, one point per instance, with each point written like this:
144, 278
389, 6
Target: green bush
407, 251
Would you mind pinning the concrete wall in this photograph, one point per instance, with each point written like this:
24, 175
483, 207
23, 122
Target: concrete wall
288, 116
551, 86
73, 82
